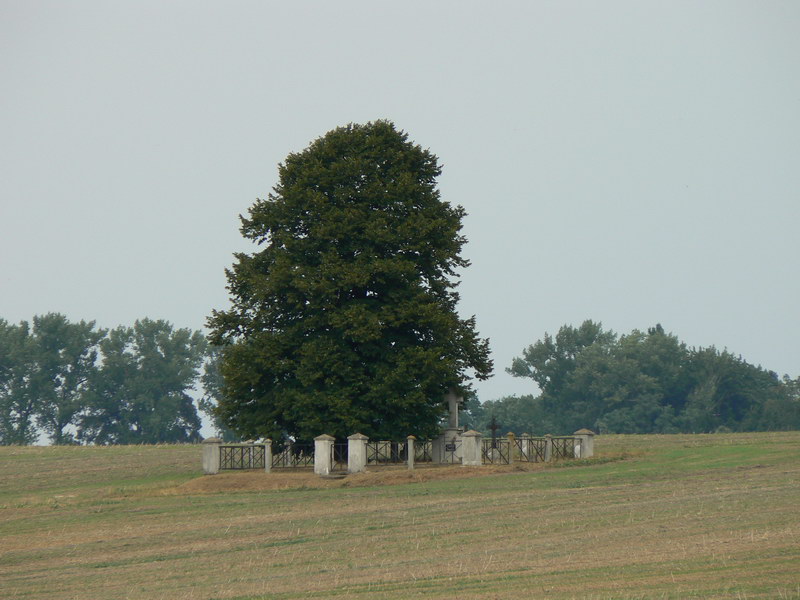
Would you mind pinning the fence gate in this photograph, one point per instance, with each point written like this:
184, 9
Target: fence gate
452, 452
339, 457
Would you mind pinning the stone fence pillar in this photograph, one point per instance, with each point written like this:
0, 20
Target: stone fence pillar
211, 455
512, 446
323, 454
267, 454
356, 453
410, 451
548, 448
587, 442
471, 446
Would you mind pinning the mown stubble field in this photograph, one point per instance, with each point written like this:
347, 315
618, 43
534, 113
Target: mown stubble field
706, 516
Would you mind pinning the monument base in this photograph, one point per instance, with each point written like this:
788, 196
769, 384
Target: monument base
446, 449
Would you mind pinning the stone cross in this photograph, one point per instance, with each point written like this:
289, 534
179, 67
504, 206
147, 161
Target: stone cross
494, 427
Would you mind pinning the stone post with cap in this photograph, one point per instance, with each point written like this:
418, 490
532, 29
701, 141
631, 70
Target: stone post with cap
323, 454
587, 442
471, 445
357, 453
410, 451
267, 454
211, 455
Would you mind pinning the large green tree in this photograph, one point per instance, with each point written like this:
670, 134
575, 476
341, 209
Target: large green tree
345, 320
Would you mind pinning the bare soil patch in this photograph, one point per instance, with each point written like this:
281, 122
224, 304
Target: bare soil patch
285, 479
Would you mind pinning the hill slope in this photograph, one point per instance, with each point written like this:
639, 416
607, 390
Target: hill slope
712, 516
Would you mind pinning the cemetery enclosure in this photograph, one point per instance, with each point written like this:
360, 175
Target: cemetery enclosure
328, 456
650, 517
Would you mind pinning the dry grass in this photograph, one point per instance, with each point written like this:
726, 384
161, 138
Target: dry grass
679, 517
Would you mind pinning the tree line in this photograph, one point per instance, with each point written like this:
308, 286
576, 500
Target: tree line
78, 383
640, 382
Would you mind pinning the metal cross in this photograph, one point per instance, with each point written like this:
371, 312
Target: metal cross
494, 427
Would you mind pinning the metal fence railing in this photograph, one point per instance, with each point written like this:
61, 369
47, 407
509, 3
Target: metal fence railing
494, 451
564, 447
527, 449
423, 451
294, 456
241, 456
502, 451
386, 452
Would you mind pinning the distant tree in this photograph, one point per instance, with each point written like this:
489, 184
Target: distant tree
66, 356
18, 399
212, 391
516, 414
551, 362
631, 387
781, 411
140, 393
649, 382
471, 413
728, 392
346, 319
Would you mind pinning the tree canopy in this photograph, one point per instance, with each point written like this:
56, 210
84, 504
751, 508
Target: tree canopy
67, 356
79, 384
643, 382
345, 320
19, 401
140, 394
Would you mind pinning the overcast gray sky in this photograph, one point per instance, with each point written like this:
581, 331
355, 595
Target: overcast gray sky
629, 162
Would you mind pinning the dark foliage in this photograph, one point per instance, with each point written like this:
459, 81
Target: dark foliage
345, 319
643, 383
79, 384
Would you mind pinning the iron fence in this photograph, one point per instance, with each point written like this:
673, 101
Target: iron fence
452, 452
564, 447
294, 456
495, 451
498, 451
386, 452
241, 456
423, 451
529, 449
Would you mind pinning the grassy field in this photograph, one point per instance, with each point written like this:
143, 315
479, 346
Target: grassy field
707, 516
